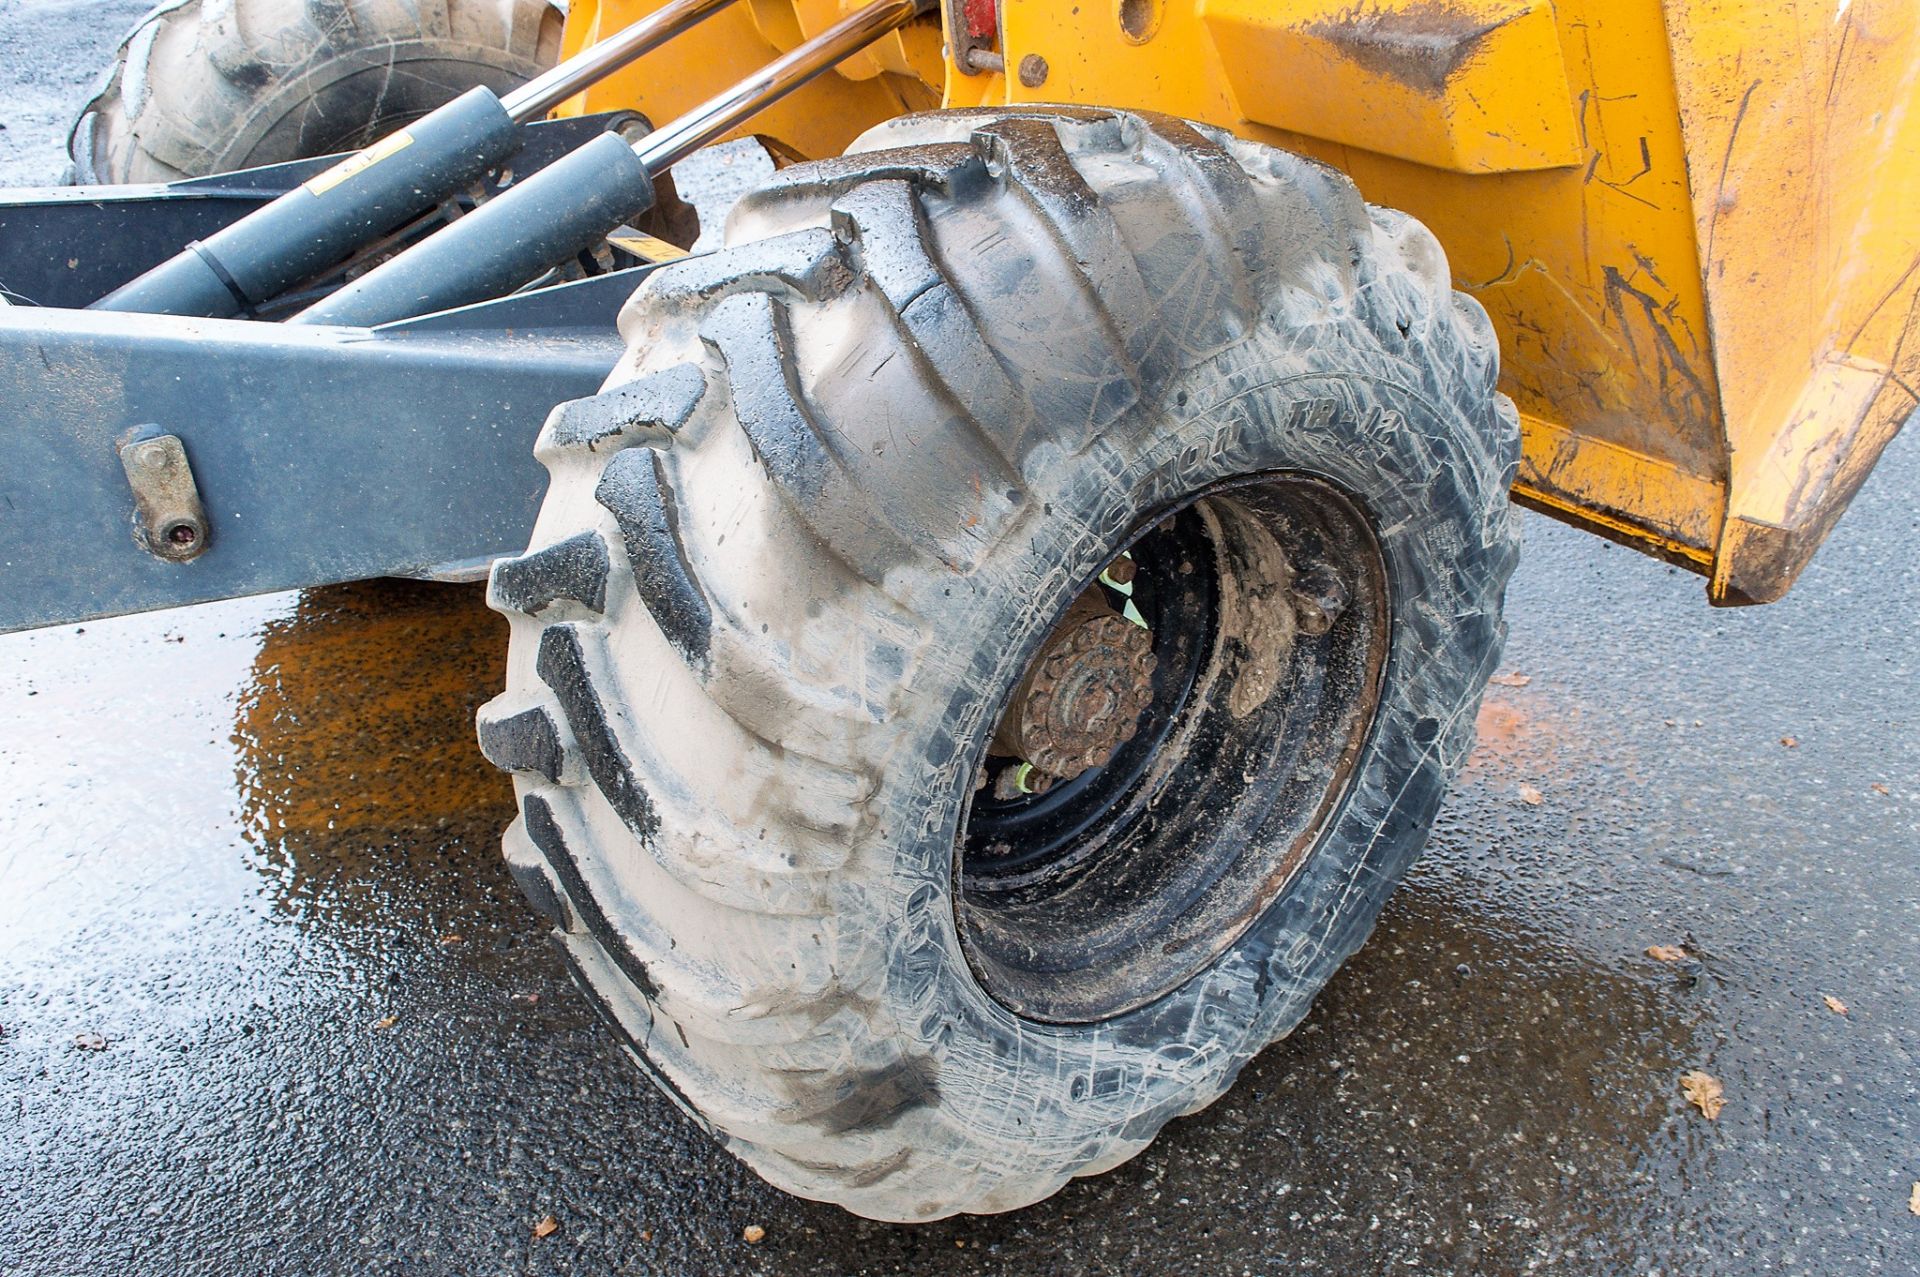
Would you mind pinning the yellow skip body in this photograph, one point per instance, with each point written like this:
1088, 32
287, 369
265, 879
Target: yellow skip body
1692, 221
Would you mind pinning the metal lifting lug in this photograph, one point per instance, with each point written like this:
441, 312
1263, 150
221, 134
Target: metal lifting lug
169, 520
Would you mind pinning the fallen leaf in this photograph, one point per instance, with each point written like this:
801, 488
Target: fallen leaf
1704, 1092
386, 1022
1511, 680
547, 1226
1880, 789
451, 939
1835, 1005
1531, 796
1913, 1201
753, 1234
1791, 742
1667, 952
89, 1041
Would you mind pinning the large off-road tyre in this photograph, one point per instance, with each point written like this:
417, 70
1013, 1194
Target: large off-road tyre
209, 86
799, 554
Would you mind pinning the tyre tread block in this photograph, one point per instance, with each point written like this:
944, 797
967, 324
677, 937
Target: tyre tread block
648, 411
544, 830
527, 742
575, 569
634, 489
562, 666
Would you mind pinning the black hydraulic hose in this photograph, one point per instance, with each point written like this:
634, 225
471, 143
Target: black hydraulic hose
380, 188
566, 207
575, 202
318, 224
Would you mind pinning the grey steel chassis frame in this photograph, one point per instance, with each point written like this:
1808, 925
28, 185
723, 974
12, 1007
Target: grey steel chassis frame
320, 454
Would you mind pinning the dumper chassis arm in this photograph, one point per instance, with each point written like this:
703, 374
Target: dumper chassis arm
320, 454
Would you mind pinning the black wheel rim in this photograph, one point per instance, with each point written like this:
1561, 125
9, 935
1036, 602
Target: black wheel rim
1117, 885
1009, 840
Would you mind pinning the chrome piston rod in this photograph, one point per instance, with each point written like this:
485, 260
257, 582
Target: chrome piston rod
596, 62
675, 140
575, 202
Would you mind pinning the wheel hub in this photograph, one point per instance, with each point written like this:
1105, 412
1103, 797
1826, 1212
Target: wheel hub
1083, 696
1260, 609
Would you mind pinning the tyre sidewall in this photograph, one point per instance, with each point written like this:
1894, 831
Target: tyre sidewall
437, 72
1441, 518
194, 91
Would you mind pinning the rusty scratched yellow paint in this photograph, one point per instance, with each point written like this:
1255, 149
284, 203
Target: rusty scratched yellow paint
1691, 221
1803, 134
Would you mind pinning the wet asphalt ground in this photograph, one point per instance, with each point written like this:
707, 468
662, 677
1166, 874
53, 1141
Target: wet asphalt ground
269, 1002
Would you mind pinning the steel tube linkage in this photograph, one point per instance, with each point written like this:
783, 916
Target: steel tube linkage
381, 187
579, 199
300, 481
596, 62
675, 140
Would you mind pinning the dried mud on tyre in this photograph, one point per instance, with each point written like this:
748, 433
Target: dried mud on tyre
796, 558
201, 87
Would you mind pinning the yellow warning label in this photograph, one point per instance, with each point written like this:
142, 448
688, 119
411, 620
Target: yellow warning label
646, 247
360, 161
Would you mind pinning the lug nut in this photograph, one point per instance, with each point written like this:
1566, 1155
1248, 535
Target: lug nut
1318, 599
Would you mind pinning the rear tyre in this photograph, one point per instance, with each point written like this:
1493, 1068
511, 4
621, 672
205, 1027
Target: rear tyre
209, 86
999, 388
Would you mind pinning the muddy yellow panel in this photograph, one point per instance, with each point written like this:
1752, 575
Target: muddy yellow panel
1693, 222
